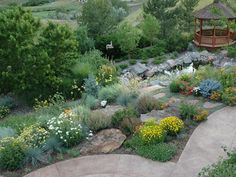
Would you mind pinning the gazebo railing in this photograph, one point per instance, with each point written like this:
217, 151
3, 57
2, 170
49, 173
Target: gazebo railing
211, 38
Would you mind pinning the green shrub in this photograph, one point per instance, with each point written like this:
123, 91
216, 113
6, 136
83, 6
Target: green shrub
127, 98
132, 62
177, 42
159, 152
7, 101
19, 122
126, 120
36, 2
110, 93
232, 51
98, 121
175, 86
37, 56
158, 60
146, 104
52, 145
144, 61
11, 154
123, 66
90, 86
118, 117
187, 111
35, 157
223, 168
228, 77
206, 72
229, 96
90, 101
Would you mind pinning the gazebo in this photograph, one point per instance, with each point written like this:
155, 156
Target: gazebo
208, 32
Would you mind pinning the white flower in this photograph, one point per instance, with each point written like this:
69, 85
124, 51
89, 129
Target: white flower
61, 137
67, 133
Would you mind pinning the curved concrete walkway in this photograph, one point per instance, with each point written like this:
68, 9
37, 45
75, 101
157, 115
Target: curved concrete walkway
205, 145
111, 165
203, 148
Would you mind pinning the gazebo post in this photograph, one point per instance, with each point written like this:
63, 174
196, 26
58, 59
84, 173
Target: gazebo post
200, 41
214, 36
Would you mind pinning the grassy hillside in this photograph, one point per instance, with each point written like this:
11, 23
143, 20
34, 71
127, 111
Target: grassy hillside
135, 17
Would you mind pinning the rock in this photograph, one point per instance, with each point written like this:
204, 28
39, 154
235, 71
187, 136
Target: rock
159, 114
110, 110
174, 102
210, 105
151, 72
179, 61
159, 95
171, 63
224, 52
139, 69
164, 83
195, 56
104, 141
187, 60
103, 103
150, 89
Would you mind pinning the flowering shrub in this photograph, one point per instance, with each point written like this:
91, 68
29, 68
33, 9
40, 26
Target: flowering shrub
229, 96
151, 132
33, 136
106, 75
172, 125
68, 131
215, 96
201, 116
52, 100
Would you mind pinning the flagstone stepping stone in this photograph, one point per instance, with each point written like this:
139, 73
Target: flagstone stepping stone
150, 89
210, 105
104, 141
159, 114
193, 102
110, 110
159, 95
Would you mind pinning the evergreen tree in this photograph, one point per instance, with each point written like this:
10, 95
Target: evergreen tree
150, 28
128, 37
187, 18
165, 12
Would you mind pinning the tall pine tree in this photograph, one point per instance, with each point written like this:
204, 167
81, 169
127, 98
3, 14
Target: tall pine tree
165, 12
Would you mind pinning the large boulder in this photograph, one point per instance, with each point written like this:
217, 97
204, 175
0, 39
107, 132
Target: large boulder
139, 69
104, 141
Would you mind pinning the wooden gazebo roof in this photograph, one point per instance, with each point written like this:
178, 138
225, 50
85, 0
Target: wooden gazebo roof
206, 12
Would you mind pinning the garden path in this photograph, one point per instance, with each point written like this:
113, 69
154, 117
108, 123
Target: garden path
203, 148
111, 165
205, 145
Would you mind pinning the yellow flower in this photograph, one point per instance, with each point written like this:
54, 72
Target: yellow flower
172, 125
151, 132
